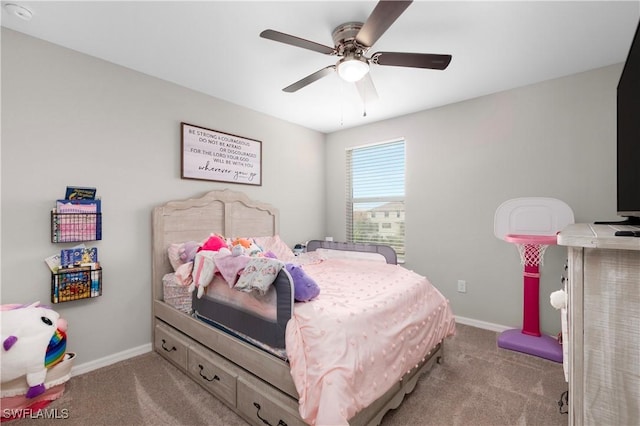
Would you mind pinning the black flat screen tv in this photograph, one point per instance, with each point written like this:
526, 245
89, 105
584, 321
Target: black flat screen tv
628, 135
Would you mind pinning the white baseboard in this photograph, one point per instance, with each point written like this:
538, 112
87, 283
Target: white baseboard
111, 359
482, 324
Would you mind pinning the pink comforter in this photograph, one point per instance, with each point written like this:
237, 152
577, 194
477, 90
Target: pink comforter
371, 324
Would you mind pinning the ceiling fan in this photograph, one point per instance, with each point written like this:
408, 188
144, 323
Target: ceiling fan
352, 41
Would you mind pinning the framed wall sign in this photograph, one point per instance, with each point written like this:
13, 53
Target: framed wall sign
211, 155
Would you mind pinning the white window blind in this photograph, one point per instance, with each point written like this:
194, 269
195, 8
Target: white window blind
375, 195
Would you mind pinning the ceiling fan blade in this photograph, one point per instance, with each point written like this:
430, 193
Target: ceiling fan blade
367, 89
309, 79
414, 60
384, 14
296, 41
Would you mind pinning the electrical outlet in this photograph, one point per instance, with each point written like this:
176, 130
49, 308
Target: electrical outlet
462, 286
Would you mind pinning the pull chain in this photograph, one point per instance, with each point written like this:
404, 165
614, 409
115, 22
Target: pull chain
364, 103
341, 104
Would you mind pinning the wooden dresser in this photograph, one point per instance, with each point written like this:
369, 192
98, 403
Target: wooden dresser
603, 325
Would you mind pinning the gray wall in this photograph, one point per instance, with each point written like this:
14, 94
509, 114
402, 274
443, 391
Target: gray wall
553, 139
71, 119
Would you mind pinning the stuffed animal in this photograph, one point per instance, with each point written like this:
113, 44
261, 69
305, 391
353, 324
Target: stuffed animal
270, 254
237, 250
558, 299
255, 250
214, 243
305, 288
188, 250
245, 246
244, 242
33, 339
204, 267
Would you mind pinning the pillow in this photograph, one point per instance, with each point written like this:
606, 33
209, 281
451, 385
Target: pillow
175, 293
183, 274
174, 255
258, 275
181, 253
353, 255
276, 246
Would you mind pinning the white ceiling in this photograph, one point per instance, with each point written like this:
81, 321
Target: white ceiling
214, 47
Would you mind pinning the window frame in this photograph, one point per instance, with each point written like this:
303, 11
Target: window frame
400, 243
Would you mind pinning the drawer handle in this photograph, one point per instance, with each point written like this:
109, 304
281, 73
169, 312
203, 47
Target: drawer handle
215, 376
564, 400
265, 421
165, 348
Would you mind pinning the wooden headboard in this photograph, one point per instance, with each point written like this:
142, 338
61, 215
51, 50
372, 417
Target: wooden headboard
224, 212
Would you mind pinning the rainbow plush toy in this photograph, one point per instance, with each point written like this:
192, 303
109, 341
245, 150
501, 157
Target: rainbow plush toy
56, 349
33, 340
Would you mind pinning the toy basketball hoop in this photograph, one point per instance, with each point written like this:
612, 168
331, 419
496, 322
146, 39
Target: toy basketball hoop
532, 225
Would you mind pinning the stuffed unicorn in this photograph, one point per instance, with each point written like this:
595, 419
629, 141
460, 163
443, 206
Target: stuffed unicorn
33, 339
204, 267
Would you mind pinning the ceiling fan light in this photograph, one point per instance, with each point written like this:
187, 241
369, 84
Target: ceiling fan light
352, 69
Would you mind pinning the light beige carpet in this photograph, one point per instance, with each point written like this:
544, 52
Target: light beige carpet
478, 384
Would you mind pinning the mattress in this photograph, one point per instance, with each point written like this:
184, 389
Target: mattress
397, 315
372, 323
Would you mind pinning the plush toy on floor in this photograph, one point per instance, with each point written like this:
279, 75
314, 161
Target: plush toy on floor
33, 340
558, 299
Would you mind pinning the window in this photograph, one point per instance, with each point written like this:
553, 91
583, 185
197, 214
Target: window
375, 184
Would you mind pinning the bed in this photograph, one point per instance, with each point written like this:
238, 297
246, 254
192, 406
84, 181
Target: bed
261, 386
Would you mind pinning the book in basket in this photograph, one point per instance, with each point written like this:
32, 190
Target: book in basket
80, 193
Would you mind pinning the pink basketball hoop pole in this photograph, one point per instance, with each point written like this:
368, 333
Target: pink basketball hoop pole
529, 339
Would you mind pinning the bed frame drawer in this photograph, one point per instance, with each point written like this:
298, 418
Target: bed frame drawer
171, 345
262, 404
213, 372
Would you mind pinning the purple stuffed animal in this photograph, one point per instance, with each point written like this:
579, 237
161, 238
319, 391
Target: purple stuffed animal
305, 288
